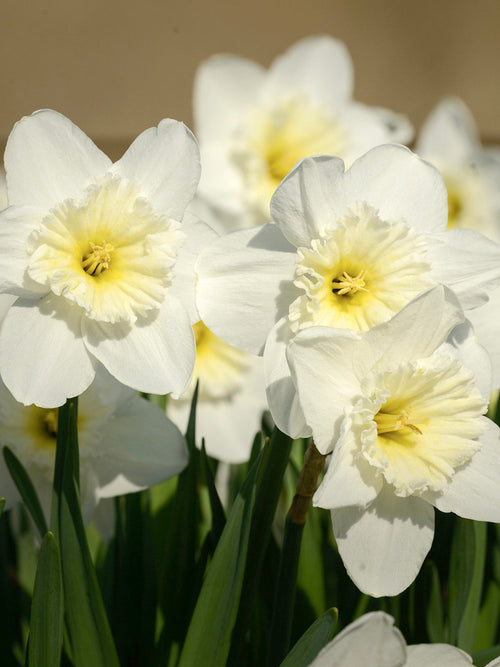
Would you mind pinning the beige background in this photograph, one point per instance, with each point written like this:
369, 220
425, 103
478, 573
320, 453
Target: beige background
116, 67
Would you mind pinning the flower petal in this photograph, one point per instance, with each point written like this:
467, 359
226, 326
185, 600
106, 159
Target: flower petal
444, 655
449, 132
319, 67
49, 159
384, 546
487, 327
281, 393
140, 447
371, 640
43, 359
310, 198
225, 88
155, 355
165, 161
468, 263
401, 186
198, 236
474, 491
321, 362
250, 272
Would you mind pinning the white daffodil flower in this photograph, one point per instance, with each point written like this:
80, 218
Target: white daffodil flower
125, 442
99, 260
254, 124
231, 397
450, 140
346, 250
373, 640
401, 412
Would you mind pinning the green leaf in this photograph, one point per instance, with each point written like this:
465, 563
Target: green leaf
47, 608
482, 658
434, 619
466, 581
218, 515
209, 634
2, 505
312, 641
489, 617
310, 575
90, 635
26, 489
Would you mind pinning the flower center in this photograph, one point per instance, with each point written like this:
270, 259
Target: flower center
110, 253
360, 273
97, 258
388, 422
346, 285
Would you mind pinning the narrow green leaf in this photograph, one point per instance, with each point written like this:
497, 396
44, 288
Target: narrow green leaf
434, 619
208, 638
26, 489
482, 658
218, 515
312, 641
310, 575
461, 573
90, 635
468, 623
2, 505
47, 608
489, 618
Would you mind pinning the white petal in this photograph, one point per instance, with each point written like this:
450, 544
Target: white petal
140, 447
401, 186
449, 132
156, 355
43, 359
444, 655
225, 87
319, 67
418, 329
281, 393
245, 285
494, 663
487, 327
16, 224
371, 640
468, 263
384, 546
165, 161
474, 491
309, 198
321, 362
349, 479
49, 159
198, 236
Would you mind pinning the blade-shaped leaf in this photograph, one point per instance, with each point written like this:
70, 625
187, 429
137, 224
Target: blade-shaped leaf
312, 641
26, 489
209, 634
47, 608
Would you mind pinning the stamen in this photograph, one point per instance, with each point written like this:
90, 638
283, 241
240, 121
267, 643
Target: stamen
97, 259
388, 422
348, 285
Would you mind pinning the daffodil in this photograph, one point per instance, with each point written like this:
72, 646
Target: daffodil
231, 397
400, 408
126, 443
253, 124
346, 250
450, 140
373, 640
100, 259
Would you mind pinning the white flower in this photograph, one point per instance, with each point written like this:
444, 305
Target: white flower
347, 250
254, 125
231, 397
402, 416
125, 443
449, 139
99, 259
373, 640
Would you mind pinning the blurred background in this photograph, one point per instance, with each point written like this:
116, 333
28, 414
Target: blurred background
116, 67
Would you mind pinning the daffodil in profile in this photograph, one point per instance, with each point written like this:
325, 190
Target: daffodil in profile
125, 442
254, 124
346, 249
231, 397
400, 408
100, 259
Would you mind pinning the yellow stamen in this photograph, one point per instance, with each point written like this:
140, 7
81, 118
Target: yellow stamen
349, 285
97, 259
388, 422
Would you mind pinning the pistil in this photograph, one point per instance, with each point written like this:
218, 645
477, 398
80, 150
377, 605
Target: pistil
97, 259
348, 285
